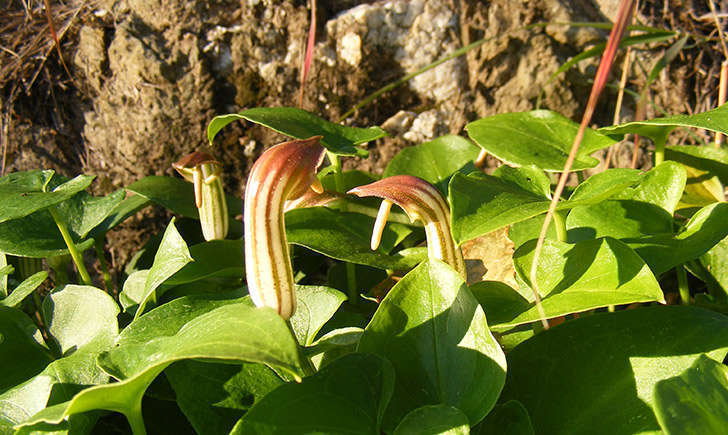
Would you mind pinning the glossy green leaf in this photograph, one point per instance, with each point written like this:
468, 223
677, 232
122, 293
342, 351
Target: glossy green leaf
583, 276
299, 124
314, 307
347, 396
482, 203
236, 332
604, 367
19, 337
346, 236
661, 251
84, 212
435, 161
646, 209
214, 396
433, 420
78, 314
696, 401
216, 258
659, 128
433, 331
540, 137
711, 160
171, 256
529, 178
509, 418
24, 290
36, 236
82, 321
176, 195
22, 193
167, 319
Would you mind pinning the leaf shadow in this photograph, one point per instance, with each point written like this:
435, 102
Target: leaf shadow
433, 363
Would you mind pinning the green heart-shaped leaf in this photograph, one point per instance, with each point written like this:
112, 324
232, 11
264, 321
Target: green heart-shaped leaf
314, 307
299, 124
433, 331
583, 276
604, 367
540, 137
171, 256
82, 320
482, 203
435, 161
23, 193
235, 332
347, 396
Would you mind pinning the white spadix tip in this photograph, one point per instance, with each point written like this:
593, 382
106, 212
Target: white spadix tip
379, 223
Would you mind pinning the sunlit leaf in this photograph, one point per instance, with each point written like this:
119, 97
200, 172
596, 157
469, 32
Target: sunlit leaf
540, 137
299, 124
434, 332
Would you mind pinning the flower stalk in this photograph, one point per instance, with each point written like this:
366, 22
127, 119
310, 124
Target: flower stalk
203, 171
420, 200
282, 174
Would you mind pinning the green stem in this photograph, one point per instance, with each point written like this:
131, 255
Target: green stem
77, 259
108, 283
350, 270
660, 150
136, 420
682, 285
560, 226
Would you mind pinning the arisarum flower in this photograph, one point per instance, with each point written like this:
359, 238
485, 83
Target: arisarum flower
203, 171
420, 200
282, 174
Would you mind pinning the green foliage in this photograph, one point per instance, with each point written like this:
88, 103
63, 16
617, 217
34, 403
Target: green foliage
435, 334
299, 124
407, 348
541, 137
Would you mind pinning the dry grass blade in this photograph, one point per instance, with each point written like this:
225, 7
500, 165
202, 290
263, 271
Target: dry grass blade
309, 52
54, 35
623, 18
26, 40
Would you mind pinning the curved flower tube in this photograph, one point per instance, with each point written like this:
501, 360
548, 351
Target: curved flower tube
203, 171
283, 173
420, 200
